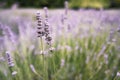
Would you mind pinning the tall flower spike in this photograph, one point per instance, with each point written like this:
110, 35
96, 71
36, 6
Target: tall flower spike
11, 64
40, 30
46, 13
48, 38
66, 7
62, 19
64, 16
9, 59
8, 33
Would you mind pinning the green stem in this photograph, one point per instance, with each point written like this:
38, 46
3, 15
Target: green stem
11, 70
41, 44
44, 64
57, 73
115, 78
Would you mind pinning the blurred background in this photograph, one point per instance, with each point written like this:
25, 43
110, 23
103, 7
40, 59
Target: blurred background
75, 4
82, 42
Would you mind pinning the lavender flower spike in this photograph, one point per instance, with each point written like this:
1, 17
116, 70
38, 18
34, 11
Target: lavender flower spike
48, 38
9, 59
40, 30
66, 7
46, 13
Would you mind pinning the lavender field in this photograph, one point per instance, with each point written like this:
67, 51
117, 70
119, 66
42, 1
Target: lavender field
59, 44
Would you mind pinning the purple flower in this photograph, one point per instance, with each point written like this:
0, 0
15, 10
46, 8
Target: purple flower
40, 30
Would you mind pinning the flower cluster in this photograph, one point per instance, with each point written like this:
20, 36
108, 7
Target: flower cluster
9, 59
11, 63
43, 30
66, 7
40, 30
48, 38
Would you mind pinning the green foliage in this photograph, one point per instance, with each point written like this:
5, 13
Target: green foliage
82, 64
89, 3
36, 3
75, 4
115, 3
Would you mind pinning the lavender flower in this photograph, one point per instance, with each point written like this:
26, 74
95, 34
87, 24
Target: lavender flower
40, 30
51, 49
48, 38
14, 73
9, 59
66, 7
64, 16
10, 63
46, 12
62, 19
33, 69
62, 62
118, 74
8, 33
111, 36
1, 26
